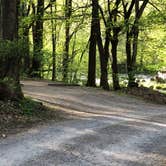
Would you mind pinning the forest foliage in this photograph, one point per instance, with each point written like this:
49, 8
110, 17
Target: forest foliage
86, 41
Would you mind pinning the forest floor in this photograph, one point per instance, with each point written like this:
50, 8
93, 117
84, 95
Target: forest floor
106, 129
16, 117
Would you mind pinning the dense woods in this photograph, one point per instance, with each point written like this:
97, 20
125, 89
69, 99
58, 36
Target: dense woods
90, 42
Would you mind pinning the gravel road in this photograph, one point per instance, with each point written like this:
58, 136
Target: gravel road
111, 130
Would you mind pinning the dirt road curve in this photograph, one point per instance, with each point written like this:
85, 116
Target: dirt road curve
112, 130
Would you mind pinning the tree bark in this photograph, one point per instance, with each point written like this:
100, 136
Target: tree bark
11, 63
103, 65
92, 48
53, 24
68, 13
38, 40
24, 11
1, 17
92, 58
26, 58
132, 39
115, 77
96, 39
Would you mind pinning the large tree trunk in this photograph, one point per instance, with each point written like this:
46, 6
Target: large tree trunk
10, 64
9, 20
1, 16
10, 32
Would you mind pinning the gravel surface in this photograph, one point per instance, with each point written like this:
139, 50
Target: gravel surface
109, 130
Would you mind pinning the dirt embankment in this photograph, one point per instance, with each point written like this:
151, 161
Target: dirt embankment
148, 94
16, 117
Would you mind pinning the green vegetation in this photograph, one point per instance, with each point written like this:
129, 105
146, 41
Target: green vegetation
18, 116
151, 50
55, 40
84, 42
30, 107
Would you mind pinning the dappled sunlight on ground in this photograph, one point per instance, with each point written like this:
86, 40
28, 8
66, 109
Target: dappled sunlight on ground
105, 129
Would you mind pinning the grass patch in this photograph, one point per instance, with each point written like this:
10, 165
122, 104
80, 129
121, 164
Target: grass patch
30, 107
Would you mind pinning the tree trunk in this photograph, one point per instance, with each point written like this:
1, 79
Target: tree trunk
38, 41
24, 10
107, 45
11, 63
103, 57
53, 24
68, 13
1, 16
92, 48
132, 42
130, 72
92, 59
132, 64
27, 59
115, 77
103, 65
135, 31
96, 39
114, 42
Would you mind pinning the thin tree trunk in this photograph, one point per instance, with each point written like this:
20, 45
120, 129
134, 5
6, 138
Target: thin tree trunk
132, 42
68, 13
135, 39
129, 58
53, 24
27, 59
113, 17
107, 45
24, 11
115, 77
38, 40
